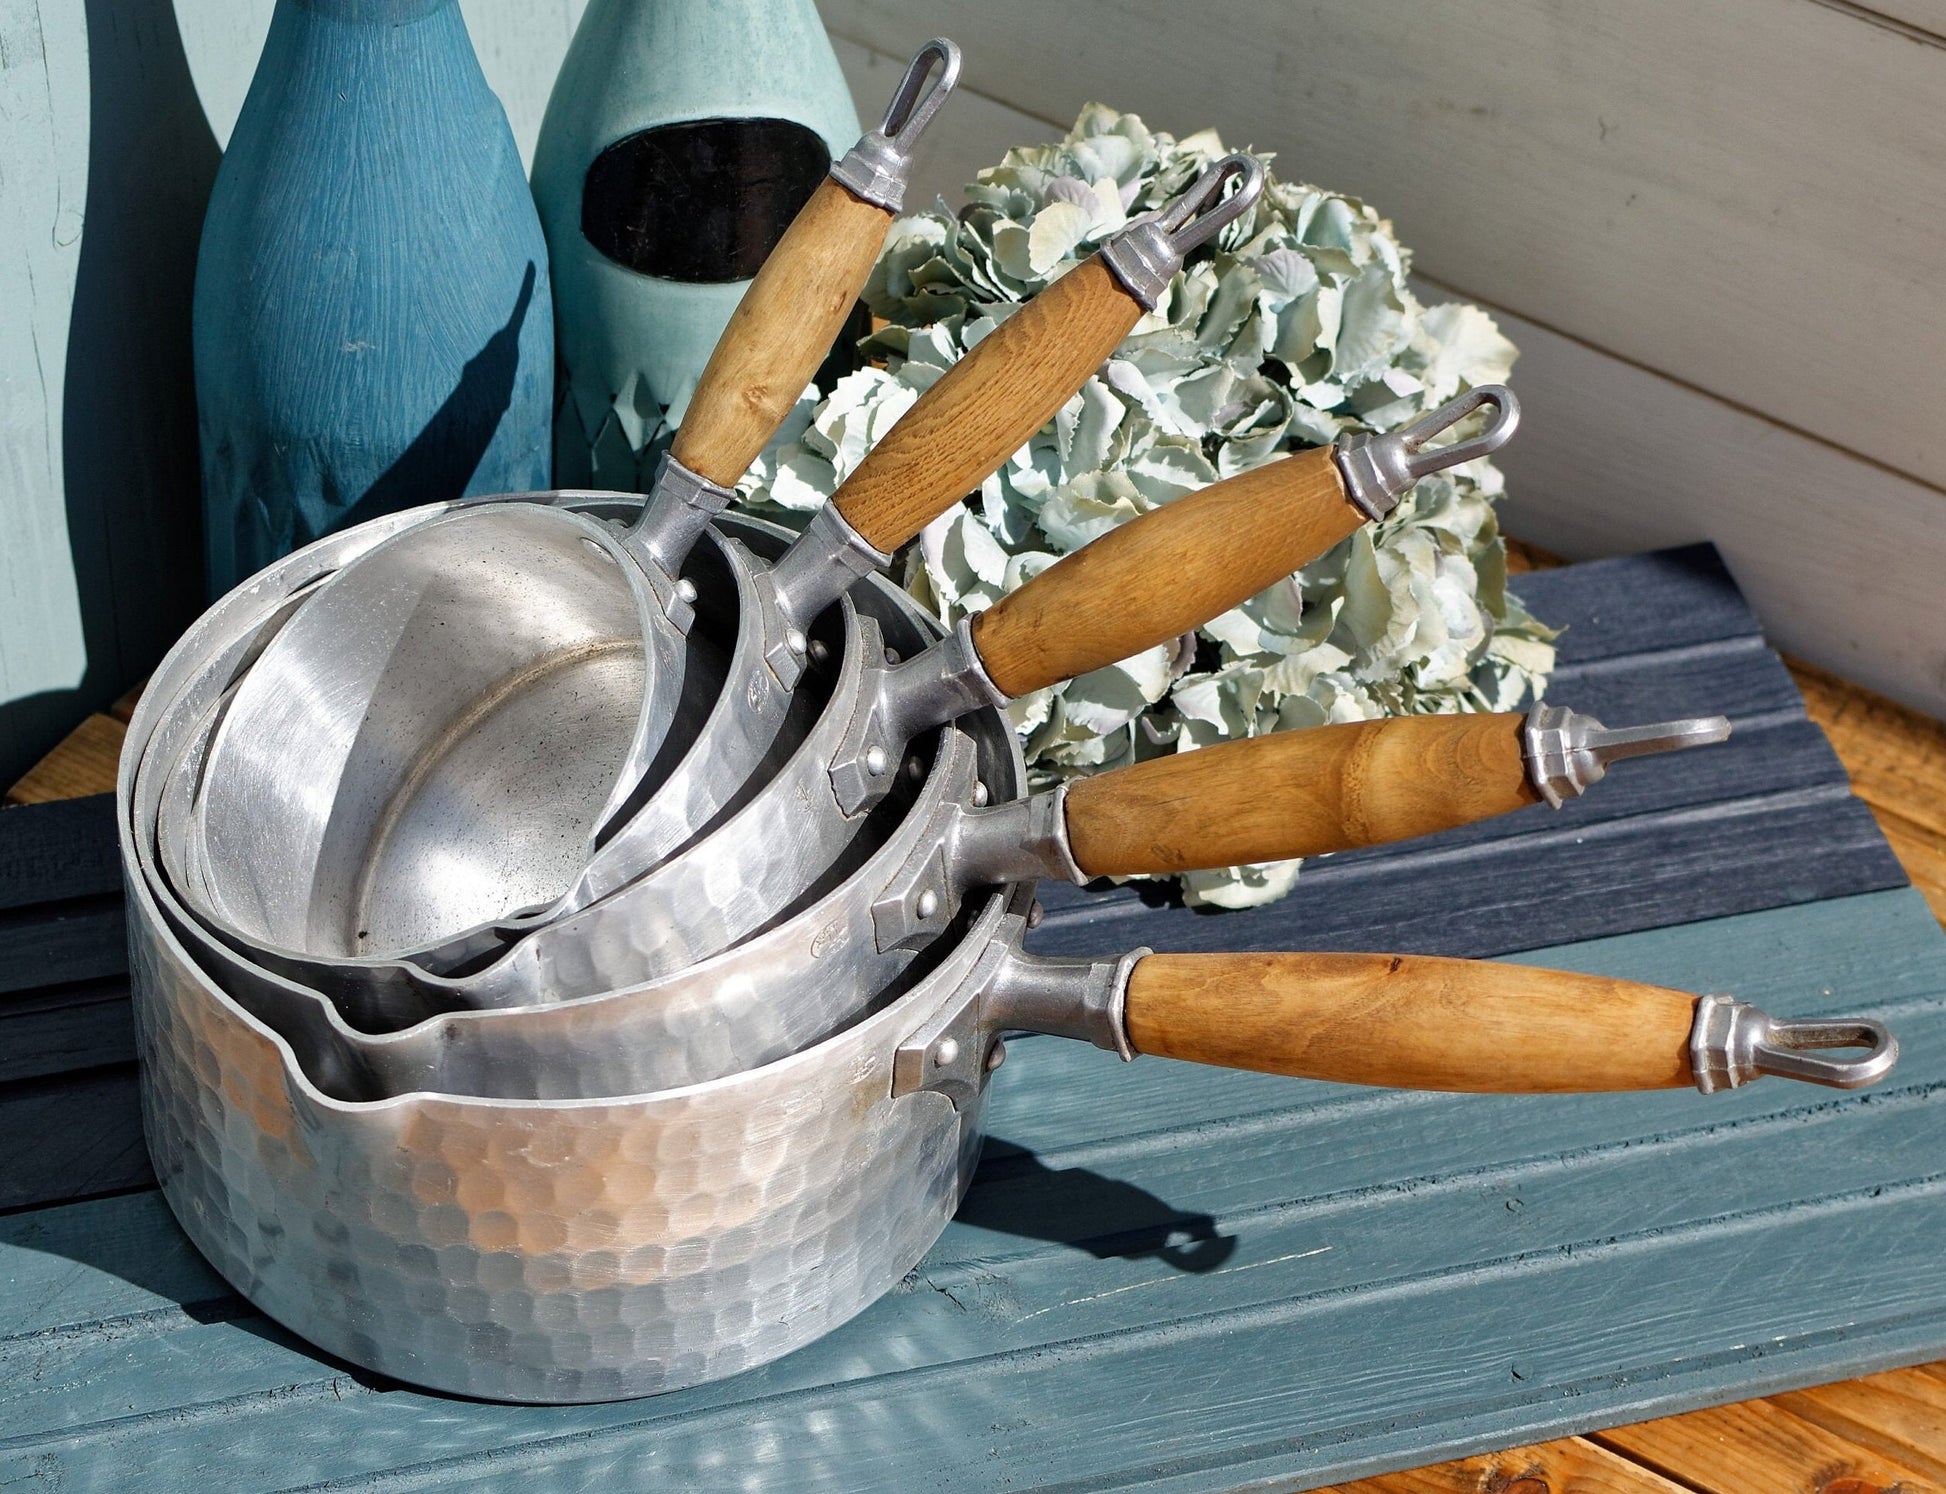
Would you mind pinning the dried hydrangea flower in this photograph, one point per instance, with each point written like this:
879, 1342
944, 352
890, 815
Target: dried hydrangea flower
1296, 323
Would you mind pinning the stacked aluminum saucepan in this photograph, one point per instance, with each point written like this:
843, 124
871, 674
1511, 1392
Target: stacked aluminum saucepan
572, 936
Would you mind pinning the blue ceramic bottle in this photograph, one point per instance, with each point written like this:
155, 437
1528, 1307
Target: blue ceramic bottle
373, 321
679, 141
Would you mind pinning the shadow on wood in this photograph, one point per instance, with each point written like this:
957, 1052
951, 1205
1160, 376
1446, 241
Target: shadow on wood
128, 416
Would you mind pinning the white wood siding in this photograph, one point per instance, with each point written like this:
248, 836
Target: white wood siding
1716, 227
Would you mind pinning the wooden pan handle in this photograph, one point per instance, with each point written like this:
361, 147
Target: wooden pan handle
1412, 1021
780, 332
987, 405
1171, 570
1298, 793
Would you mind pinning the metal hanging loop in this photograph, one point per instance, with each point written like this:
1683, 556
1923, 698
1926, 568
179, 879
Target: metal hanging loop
1567, 751
1379, 470
877, 167
1734, 1042
1148, 253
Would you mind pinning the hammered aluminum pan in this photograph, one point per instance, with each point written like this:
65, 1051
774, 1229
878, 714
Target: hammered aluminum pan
439, 734
532, 1251
783, 990
657, 925
725, 641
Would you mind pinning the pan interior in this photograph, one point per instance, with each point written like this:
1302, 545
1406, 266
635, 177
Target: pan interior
431, 740
497, 815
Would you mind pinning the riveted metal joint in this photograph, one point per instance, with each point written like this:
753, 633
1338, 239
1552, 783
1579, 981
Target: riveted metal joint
1021, 840
820, 566
1733, 1042
878, 166
897, 703
680, 505
1566, 752
1380, 469
1148, 252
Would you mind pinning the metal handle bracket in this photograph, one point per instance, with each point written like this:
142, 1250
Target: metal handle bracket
1734, 1042
1146, 254
1380, 469
1567, 751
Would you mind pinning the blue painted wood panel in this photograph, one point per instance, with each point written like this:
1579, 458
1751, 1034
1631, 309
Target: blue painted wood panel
1165, 1276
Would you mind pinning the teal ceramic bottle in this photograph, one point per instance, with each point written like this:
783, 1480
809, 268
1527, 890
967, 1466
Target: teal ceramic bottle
373, 321
680, 139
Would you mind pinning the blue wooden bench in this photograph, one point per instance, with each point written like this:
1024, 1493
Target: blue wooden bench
1164, 1276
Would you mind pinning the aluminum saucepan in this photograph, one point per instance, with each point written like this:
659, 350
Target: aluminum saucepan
839, 959
594, 1250
365, 749
379, 995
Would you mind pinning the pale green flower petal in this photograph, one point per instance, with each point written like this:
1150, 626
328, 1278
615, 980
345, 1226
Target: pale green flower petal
1297, 325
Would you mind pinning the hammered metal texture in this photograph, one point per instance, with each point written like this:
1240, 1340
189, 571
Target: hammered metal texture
545, 1252
521, 1250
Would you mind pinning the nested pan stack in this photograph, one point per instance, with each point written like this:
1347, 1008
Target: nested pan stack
573, 935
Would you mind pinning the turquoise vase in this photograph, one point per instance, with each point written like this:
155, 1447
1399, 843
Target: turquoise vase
679, 141
373, 321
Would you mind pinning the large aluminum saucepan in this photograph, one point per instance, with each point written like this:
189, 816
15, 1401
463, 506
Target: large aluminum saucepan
1292, 794
592, 1250
333, 751
1142, 584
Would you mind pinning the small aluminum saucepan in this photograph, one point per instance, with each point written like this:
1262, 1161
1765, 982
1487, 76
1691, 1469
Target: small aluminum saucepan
384, 782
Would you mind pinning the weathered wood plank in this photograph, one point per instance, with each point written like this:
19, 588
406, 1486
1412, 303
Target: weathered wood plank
1662, 599
78, 766
71, 1137
1307, 1389
1570, 1466
1708, 862
81, 939
1897, 762
1901, 1414
1367, 1262
63, 1028
60, 850
1667, 126
1757, 1445
1614, 458
1388, 1221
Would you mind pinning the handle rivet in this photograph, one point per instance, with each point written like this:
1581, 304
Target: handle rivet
946, 1054
891, 656
819, 651
997, 1057
796, 641
980, 796
686, 589
928, 903
875, 761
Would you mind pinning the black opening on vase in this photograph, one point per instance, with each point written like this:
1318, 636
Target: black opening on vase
702, 201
